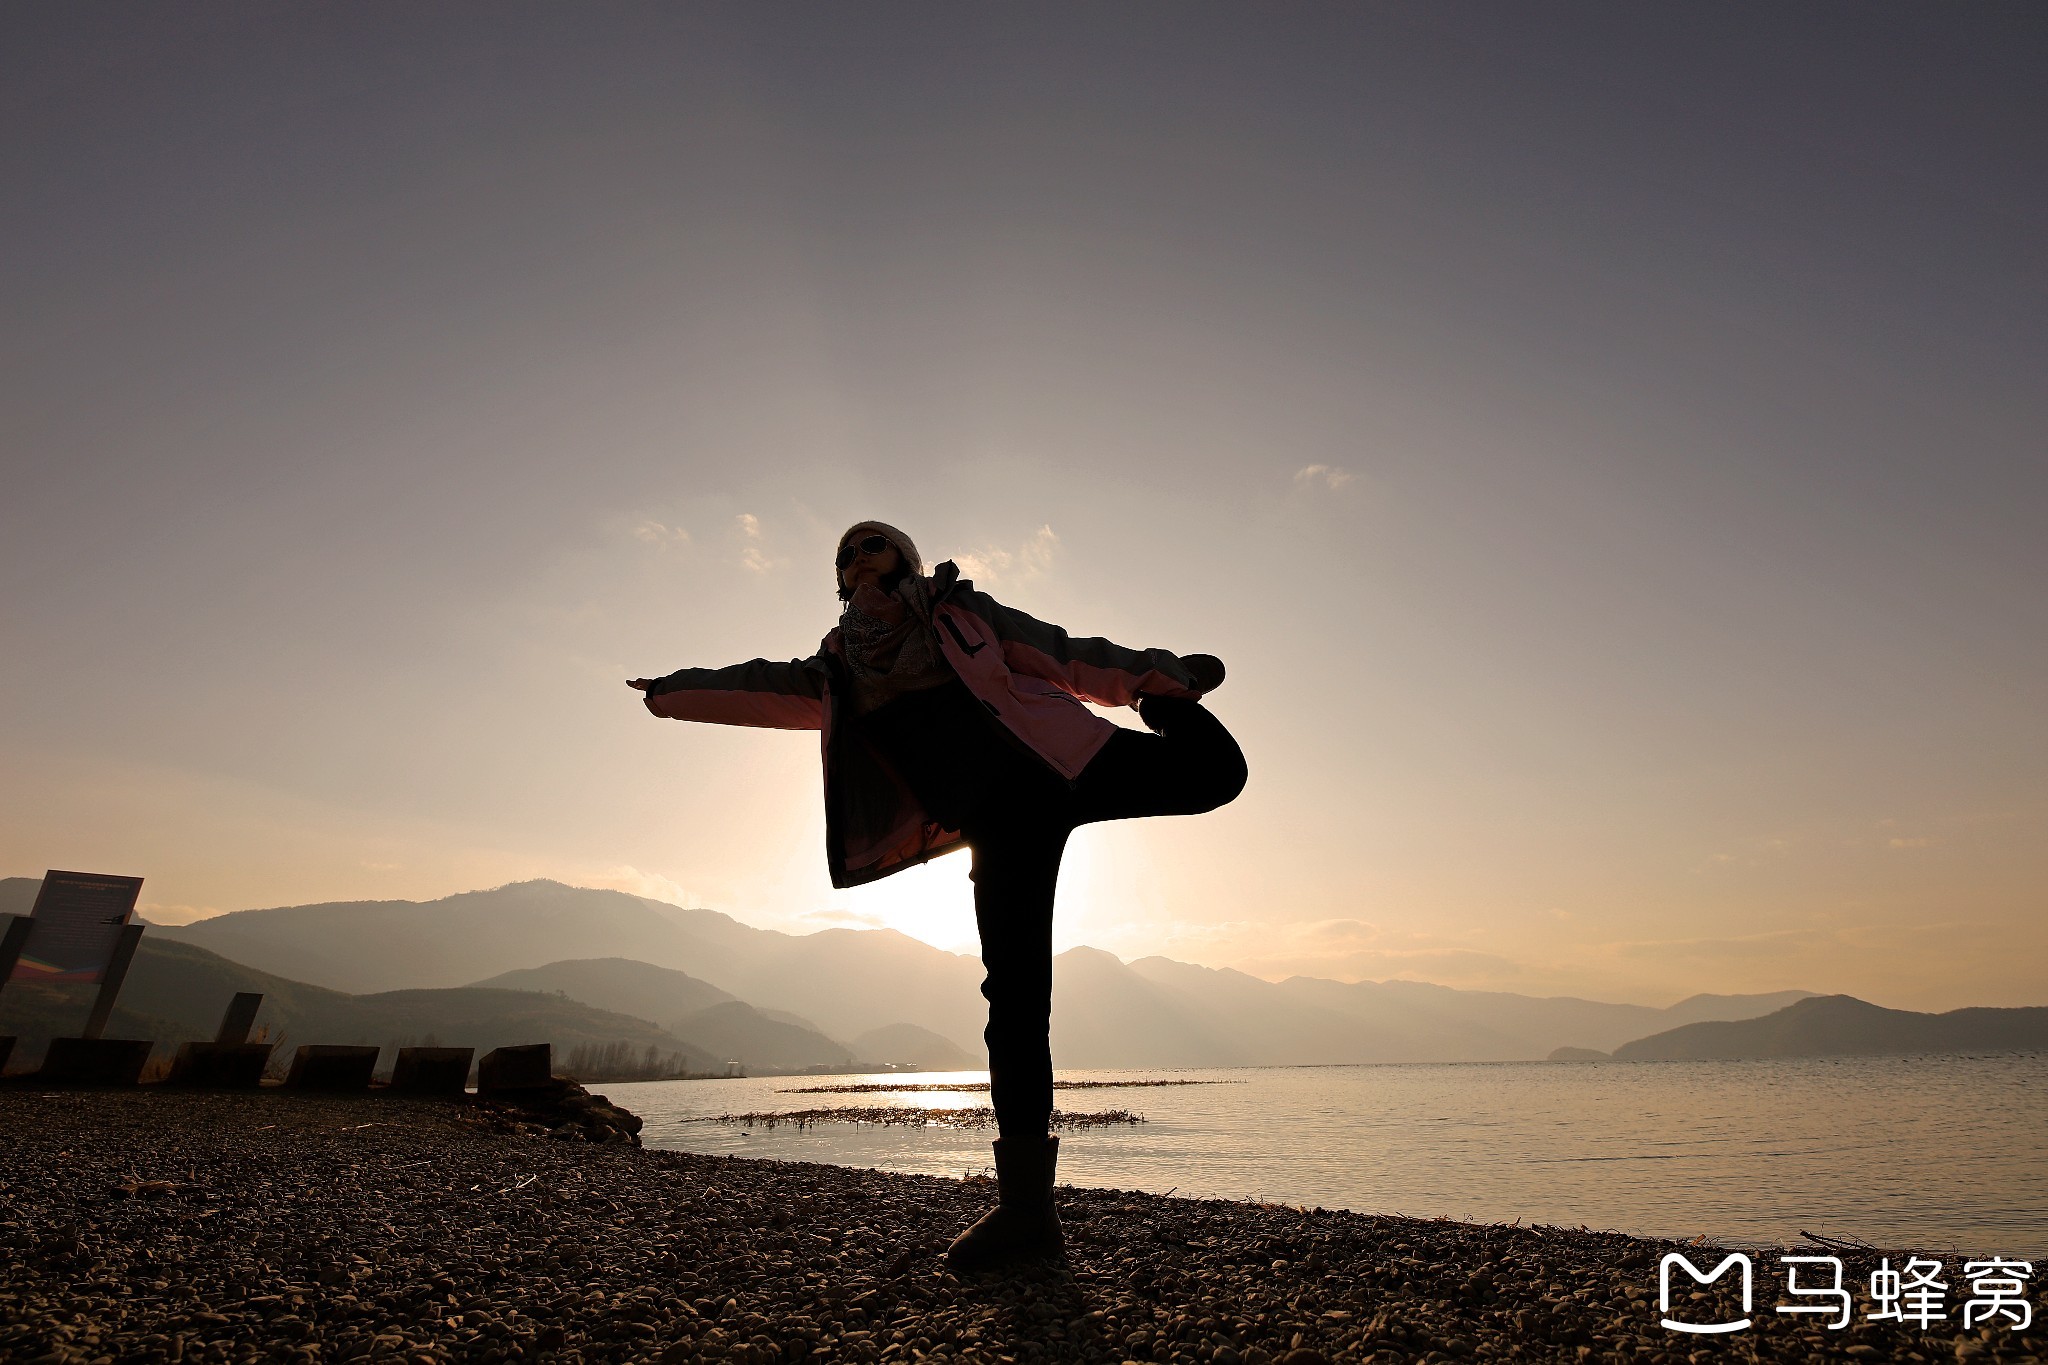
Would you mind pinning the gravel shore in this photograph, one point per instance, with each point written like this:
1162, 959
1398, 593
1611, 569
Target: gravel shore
153, 1225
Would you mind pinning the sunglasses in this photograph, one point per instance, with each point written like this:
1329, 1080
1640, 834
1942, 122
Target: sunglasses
871, 545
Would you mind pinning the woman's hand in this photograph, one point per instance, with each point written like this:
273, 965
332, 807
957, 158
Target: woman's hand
640, 684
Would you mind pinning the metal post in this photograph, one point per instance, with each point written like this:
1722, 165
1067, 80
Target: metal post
110, 983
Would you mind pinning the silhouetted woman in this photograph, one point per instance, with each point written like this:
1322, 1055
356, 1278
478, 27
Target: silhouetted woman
949, 719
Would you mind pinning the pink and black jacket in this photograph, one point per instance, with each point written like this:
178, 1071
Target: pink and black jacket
1032, 677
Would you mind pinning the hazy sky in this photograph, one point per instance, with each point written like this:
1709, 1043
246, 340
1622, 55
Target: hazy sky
1606, 443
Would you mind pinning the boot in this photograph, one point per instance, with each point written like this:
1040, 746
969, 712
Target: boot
1159, 713
1023, 1226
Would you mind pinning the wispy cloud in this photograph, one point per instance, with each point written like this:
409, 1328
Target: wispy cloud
654, 527
1465, 968
660, 533
1344, 949
634, 882
1032, 559
1770, 848
1183, 935
834, 917
1788, 944
1321, 475
1340, 932
1798, 945
754, 555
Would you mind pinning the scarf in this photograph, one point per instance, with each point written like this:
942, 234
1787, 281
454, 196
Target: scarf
890, 645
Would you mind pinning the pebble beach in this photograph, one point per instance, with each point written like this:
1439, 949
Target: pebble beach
155, 1225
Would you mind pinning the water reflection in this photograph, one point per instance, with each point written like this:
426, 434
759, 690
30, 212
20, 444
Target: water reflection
1932, 1151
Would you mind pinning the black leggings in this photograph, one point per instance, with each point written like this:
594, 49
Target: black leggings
1192, 765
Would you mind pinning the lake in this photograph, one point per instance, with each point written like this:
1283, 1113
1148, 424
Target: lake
1937, 1153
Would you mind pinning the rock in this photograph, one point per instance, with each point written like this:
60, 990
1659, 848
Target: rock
398, 1228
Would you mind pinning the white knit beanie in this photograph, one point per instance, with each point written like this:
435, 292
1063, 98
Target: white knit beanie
905, 546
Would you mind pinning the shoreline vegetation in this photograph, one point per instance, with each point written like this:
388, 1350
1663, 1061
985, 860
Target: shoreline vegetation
978, 1087
980, 1116
161, 1226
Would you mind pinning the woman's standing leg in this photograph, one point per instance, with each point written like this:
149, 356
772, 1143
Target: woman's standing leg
1191, 765
1016, 871
1188, 765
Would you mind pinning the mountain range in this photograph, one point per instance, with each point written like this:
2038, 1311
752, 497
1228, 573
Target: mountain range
177, 991
1842, 1025
846, 982
705, 986
758, 1039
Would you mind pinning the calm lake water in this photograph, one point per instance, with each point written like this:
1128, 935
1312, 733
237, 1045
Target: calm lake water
1946, 1154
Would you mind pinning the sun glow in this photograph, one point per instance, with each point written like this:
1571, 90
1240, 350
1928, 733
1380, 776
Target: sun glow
934, 902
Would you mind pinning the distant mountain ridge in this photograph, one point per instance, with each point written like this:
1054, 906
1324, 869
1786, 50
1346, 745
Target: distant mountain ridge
919, 1049
758, 993
1104, 1010
617, 983
1842, 1026
848, 983
753, 1037
177, 991
829, 978
367, 946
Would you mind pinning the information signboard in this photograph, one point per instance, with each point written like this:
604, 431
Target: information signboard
76, 927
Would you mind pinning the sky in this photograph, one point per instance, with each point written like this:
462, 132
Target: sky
1604, 442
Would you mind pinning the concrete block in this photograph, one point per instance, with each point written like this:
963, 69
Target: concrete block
95, 1061
319, 1066
432, 1070
530, 1066
221, 1066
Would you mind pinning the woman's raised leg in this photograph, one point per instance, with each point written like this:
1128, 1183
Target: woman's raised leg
1188, 765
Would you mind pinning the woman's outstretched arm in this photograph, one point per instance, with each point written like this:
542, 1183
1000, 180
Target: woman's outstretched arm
1101, 670
759, 692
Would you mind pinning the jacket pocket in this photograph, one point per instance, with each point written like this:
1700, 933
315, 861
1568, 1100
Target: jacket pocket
1027, 686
